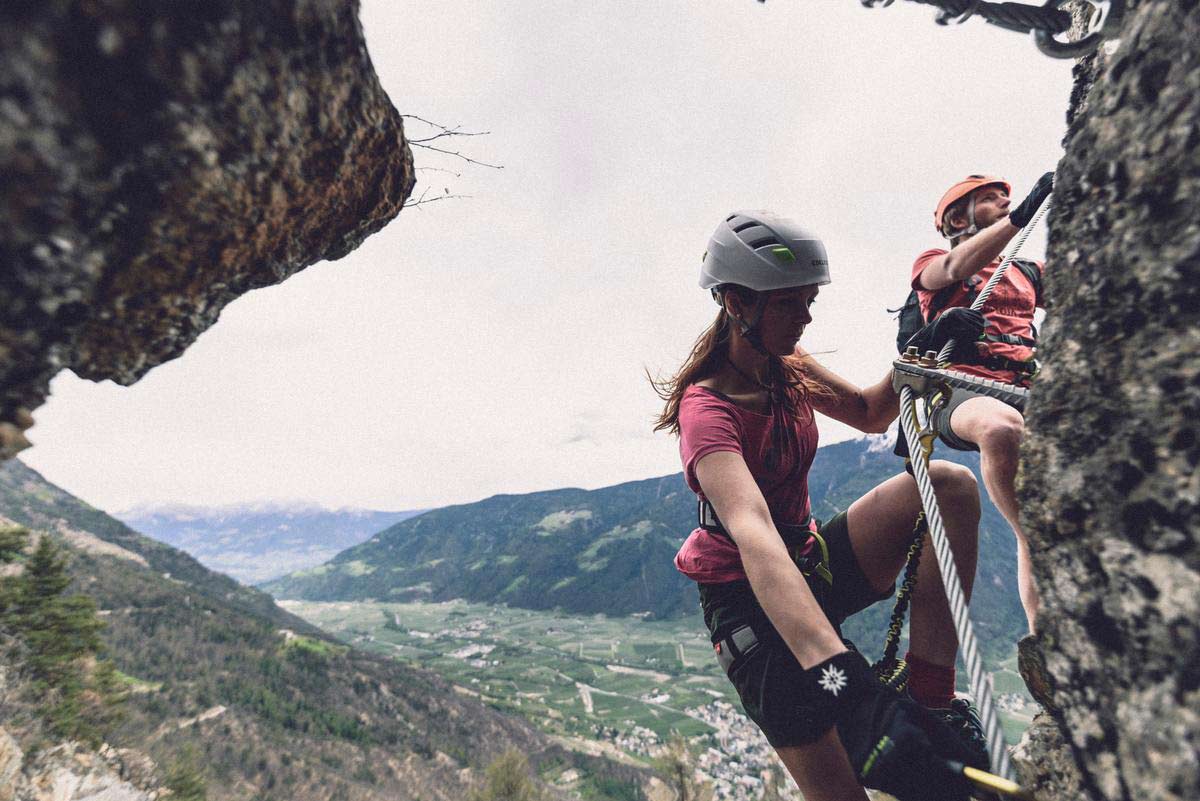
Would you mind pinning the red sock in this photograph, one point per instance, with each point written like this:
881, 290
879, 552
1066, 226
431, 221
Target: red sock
930, 685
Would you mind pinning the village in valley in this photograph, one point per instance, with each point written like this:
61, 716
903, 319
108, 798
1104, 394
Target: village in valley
629, 687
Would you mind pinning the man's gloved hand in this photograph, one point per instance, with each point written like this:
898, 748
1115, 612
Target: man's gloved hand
963, 325
894, 745
1023, 213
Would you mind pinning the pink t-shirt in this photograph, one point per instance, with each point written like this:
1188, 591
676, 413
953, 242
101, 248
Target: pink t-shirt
711, 422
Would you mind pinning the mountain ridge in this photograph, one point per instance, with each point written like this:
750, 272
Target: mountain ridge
263, 540
271, 707
610, 550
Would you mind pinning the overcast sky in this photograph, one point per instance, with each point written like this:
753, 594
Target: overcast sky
497, 343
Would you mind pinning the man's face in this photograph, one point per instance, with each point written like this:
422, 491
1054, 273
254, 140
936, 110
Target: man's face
991, 204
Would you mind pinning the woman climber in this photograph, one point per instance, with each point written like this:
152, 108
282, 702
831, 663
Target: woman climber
775, 587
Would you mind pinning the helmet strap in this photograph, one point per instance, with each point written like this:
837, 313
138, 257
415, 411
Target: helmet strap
971, 228
749, 330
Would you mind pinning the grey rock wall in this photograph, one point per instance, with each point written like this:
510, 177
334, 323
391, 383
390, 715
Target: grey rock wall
1110, 489
68, 772
157, 160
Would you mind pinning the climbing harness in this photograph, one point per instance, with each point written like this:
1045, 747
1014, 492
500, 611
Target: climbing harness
1046, 22
798, 538
910, 319
911, 379
997, 276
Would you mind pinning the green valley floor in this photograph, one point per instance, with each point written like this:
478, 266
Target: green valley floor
621, 685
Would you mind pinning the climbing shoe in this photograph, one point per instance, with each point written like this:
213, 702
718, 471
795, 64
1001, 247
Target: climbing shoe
962, 718
1032, 667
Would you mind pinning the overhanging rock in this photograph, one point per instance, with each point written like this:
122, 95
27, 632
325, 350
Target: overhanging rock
157, 160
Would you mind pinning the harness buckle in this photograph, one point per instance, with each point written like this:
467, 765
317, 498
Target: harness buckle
740, 643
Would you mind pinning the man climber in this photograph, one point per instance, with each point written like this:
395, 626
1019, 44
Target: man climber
974, 215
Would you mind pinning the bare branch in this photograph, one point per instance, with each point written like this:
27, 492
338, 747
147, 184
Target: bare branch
439, 169
456, 154
425, 200
442, 132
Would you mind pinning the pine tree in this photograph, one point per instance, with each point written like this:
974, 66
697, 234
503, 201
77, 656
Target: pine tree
184, 778
509, 778
57, 630
62, 654
12, 543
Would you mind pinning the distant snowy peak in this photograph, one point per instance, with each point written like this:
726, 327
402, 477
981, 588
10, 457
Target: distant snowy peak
882, 443
257, 541
186, 513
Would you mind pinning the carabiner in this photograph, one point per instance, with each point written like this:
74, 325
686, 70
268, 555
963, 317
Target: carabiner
1105, 23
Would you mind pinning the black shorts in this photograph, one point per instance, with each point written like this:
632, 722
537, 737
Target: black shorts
939, 421
768, 679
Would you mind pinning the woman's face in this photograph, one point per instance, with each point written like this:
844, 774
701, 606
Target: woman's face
787, 313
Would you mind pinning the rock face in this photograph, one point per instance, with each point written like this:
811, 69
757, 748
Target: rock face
70, 773
1110, 486
157, 160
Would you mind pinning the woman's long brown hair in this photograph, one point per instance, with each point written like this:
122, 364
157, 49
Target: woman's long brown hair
790, 389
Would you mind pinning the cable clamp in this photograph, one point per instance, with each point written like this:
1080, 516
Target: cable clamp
1105, 23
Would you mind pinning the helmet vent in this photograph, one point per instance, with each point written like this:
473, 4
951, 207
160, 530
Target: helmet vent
763, 241
737, 229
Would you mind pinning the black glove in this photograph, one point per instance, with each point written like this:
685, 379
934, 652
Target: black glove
963, 325
1022, 214
894, 745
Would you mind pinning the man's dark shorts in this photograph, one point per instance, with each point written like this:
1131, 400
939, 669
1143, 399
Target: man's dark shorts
768, 678
939, 420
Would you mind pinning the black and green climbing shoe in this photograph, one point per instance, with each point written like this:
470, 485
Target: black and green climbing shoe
964, 720
1032, 667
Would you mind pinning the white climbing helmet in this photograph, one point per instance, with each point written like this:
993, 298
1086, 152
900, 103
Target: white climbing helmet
762, 251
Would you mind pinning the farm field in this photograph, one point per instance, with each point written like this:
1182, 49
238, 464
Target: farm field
569, 674
625, 680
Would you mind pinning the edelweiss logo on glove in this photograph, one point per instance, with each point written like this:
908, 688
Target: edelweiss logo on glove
832, 679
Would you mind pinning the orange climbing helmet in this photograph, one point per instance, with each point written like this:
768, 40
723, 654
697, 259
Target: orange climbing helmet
960, 190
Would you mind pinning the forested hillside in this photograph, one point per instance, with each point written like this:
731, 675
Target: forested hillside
610, 550
251, 700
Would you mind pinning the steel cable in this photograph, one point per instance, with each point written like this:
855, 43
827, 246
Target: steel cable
1019, 17
980, 682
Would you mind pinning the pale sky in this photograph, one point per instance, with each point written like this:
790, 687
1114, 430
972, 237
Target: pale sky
497, 343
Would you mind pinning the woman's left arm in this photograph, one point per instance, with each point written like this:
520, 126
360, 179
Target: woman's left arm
870, 409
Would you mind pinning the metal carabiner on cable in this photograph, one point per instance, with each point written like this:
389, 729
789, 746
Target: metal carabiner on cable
1107, 16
